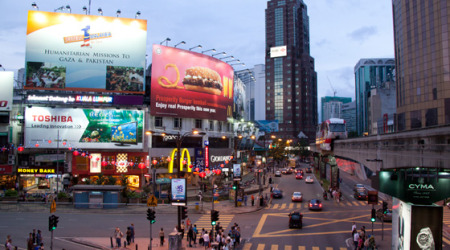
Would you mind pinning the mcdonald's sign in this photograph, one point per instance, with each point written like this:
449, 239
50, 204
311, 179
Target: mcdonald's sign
183, 152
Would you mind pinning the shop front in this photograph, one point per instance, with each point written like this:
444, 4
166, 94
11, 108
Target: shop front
38, 179
7, 179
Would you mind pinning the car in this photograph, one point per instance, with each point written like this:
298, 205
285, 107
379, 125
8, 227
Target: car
309, 179
297, 196
299, 170
308, 170
387, 217
359, 187
286, 171
277, 193
298, 176
315, 204
360, 195
277, 173
295, 219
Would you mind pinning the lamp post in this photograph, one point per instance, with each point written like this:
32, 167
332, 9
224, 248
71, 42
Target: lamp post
198, 46
237, 140
182, 42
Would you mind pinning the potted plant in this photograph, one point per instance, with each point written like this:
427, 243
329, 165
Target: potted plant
11, 195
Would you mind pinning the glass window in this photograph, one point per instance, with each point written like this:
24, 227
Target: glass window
219, 126
431, 117
211, 125
158, 121
416, 121
177, 122
198, 123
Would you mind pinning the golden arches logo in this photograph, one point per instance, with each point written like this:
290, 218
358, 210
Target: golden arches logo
172, 156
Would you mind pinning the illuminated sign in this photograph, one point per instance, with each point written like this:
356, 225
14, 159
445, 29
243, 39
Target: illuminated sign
206, 156
278, 51
191, 85
6, 90
36, 171
70, 99
69, 52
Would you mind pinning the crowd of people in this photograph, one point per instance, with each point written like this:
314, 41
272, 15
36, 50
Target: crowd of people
34, 241
124, 79
44, 78
361, 240
129, 236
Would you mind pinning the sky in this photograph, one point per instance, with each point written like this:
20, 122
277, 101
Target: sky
341, 32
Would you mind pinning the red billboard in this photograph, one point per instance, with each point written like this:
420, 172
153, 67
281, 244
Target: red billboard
191, 85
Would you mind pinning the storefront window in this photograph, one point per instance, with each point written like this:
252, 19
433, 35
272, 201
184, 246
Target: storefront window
109, 159
82, 163
136, 160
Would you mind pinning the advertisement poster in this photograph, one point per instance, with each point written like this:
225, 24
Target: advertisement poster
83, 128
239, 98
236, 171
178, 192
81, 52
191, 85
401, 224
267, 125
6, 90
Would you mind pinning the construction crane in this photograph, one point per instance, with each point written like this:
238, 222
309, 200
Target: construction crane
331, 85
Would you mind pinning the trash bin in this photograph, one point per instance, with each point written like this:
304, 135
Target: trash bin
239, 202
196, 206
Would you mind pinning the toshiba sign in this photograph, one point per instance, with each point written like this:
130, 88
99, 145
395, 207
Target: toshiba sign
278, 51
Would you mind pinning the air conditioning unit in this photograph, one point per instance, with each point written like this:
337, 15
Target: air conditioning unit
11, 162
11, 157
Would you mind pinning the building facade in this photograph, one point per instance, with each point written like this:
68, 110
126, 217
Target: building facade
349, 115
332, 106
422, 34
381, 106
254, 81
291, 81
370, 73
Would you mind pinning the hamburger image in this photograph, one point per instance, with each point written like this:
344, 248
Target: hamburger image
204, 80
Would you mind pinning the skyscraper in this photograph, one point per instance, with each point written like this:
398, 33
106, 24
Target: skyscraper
370, 73
254, 80
422, 52
291, 81
332, 106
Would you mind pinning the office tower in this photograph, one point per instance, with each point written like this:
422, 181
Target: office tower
421, 34
349, 115
291, 82
370, 73
332, 106
254, 81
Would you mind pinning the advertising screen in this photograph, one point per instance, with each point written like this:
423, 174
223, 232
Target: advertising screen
178, 192
191, 85
83, 128
6, 90
81, 52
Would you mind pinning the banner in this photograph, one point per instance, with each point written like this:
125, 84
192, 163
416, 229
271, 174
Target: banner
83, 128
178, 192
267, 125
88, 53
6, 90
191, 85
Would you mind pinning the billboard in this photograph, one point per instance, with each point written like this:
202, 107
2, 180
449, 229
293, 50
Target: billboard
87, 53
83, 128
267, 125
178, 192
278, 51
6, 90
191, 85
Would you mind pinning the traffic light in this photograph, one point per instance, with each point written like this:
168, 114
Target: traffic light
184, 211
234, 185
373, 218
385, 207
52, 222
151, 216
214, 217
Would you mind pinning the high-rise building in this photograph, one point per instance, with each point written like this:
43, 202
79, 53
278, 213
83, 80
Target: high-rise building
381, 106
349, 115
291, 81
370, 73
332, 106
422, 52
254, 80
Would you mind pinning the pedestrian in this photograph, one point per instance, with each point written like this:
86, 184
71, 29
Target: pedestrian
190, 236
118, 236
39, 237
353, 227
270, 181
195, 234
128, 235
362, 233
132, 232
39, 247
34, 237
30, 242
8, 244
161, 237
182, 229
188, 223
206, 239
245, 200
261, 201
355, 238
253, 200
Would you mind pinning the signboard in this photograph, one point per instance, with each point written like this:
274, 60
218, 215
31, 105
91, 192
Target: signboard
86, 53
152, 201
267, 126
53, 206
6, 169
414, 186
178, 192
189, 84
83, 128
236, 172
278, 51
6, 90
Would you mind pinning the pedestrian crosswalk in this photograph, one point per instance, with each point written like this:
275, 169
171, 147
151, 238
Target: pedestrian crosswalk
250, 246
292, 205
205, 221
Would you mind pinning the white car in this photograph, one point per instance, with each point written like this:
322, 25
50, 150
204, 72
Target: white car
277, 174
309, 179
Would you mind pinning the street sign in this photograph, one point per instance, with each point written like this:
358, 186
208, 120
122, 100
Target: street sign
152, 201
53, 207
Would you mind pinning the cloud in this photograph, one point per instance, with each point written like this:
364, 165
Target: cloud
363, 33
322, 42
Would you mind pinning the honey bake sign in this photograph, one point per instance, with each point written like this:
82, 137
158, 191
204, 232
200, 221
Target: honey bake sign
189, 84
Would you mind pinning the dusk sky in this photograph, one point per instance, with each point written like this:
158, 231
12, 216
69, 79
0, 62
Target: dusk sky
342, 32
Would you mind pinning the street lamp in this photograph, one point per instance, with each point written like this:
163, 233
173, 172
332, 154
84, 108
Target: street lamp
118, 12
235, 60
68, 8
165, 40
85, 10
198, 46
34, 5
213, 50
100, 11
232, 57
182, 42
221, 53
138, 13
241, 64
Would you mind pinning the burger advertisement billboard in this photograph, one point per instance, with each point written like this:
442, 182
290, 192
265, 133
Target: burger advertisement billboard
83, 128
87, 53
191, 85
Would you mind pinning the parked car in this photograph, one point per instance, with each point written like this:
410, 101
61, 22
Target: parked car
359, 187
299, 170
384, 216
277, 193
286, 171
295, 220
297, 196
309, 179
360, 195
298, 176
277, 173
315, 204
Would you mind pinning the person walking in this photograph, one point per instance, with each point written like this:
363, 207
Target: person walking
39, 237
190, 236
206, 239
245, 200
253, 200
355, 238
195, 234
128, 235
34, 237
182, 229
118, 236
132, 232
161, 237
30, 242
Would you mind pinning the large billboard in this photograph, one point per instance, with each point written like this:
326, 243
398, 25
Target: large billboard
6, 90
83, 128
191, 85
81, 52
